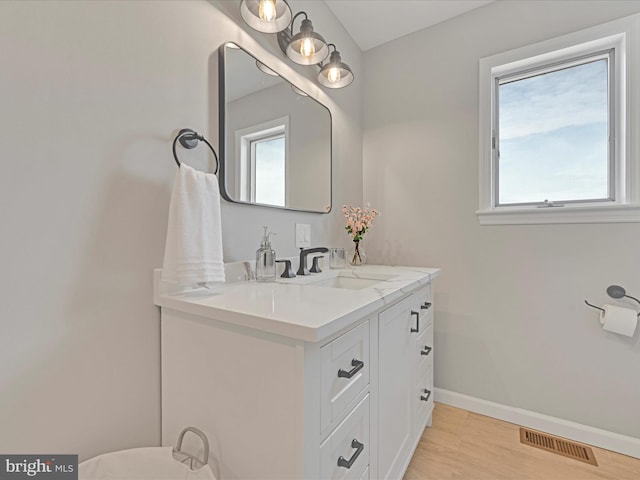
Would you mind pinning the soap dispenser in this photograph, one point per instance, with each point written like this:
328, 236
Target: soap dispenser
266, 259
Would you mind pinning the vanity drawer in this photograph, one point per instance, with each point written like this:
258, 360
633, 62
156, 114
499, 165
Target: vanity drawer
424, 306
424, 351
344, 372
345, 454
423, 401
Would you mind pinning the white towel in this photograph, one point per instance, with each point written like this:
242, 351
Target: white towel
193, 248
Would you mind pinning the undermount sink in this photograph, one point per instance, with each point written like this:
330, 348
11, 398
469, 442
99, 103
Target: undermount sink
352, 283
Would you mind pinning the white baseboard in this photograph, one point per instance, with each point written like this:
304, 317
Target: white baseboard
537, 421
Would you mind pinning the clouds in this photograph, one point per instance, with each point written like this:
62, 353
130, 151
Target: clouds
554, 136
569, 97
563, 165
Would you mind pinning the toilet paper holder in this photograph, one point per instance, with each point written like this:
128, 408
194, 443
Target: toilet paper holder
617, 292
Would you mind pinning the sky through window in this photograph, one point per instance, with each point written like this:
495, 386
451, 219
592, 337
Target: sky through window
270, 171
554, 136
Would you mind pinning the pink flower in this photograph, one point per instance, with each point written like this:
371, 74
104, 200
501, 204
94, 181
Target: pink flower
359, 220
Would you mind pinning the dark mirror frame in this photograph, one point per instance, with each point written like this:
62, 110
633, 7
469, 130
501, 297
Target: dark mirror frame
222, 133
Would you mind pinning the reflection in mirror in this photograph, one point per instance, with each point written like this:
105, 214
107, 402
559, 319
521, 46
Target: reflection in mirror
275, 143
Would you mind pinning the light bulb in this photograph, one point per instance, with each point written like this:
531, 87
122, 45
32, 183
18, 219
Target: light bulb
267, 10
334, 74
307, 47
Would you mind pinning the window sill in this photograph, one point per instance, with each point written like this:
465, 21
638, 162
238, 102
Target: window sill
578, 214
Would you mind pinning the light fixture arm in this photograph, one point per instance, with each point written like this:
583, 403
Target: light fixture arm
285, 35
294, 19
320, 65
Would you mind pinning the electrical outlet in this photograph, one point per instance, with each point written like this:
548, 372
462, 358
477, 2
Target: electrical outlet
303, 235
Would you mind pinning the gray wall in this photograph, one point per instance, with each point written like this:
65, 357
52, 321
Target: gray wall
511, 324
93, 94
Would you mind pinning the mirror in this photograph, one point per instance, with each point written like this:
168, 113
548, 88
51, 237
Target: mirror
275, 141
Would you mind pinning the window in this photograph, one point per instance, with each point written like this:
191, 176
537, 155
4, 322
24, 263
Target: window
552, 133
553, 123
268, 165
263, 151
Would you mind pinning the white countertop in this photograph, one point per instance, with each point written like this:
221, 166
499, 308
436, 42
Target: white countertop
292, 307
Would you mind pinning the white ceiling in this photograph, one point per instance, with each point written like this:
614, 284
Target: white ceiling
374, 22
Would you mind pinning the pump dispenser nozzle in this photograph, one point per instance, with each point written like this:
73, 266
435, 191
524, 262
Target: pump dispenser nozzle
265, 237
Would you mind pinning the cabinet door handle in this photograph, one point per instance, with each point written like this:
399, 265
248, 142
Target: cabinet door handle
357, 366
417, 329
349, 463
422, 397
426, 351
425, 305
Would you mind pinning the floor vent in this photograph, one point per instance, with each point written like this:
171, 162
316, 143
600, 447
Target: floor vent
558, 445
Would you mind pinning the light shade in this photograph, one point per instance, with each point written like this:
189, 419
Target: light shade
335, 74
298, 91
264, 69
307, 47
267, 16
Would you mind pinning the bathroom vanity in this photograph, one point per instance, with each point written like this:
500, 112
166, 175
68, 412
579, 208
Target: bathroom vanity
319, 377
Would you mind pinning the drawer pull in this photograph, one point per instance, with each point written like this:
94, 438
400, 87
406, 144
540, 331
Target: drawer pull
428, 392
417, 329
426, 351
425, 305
349, 463
357, 366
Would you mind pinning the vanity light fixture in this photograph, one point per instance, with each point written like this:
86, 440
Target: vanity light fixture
335, 73
267, 16
306, 47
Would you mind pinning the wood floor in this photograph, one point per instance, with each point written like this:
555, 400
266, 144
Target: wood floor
466, 446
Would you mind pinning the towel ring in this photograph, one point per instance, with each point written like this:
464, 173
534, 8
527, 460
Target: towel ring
189, 139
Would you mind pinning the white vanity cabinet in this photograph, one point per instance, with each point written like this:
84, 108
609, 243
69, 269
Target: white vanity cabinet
277, 403
395, 379
423, 388
405, 380
272, 407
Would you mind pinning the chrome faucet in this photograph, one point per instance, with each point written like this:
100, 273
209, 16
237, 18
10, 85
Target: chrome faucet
302, 268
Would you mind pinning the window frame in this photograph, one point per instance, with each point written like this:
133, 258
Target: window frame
618, 36
519, 74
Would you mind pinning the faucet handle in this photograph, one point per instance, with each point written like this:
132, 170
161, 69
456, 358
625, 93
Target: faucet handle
315, 268
288, 271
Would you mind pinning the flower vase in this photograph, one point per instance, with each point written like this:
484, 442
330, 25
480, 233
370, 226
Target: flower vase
359, 256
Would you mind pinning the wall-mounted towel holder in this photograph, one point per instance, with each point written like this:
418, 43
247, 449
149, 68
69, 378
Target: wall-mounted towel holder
189, 139
615, 291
